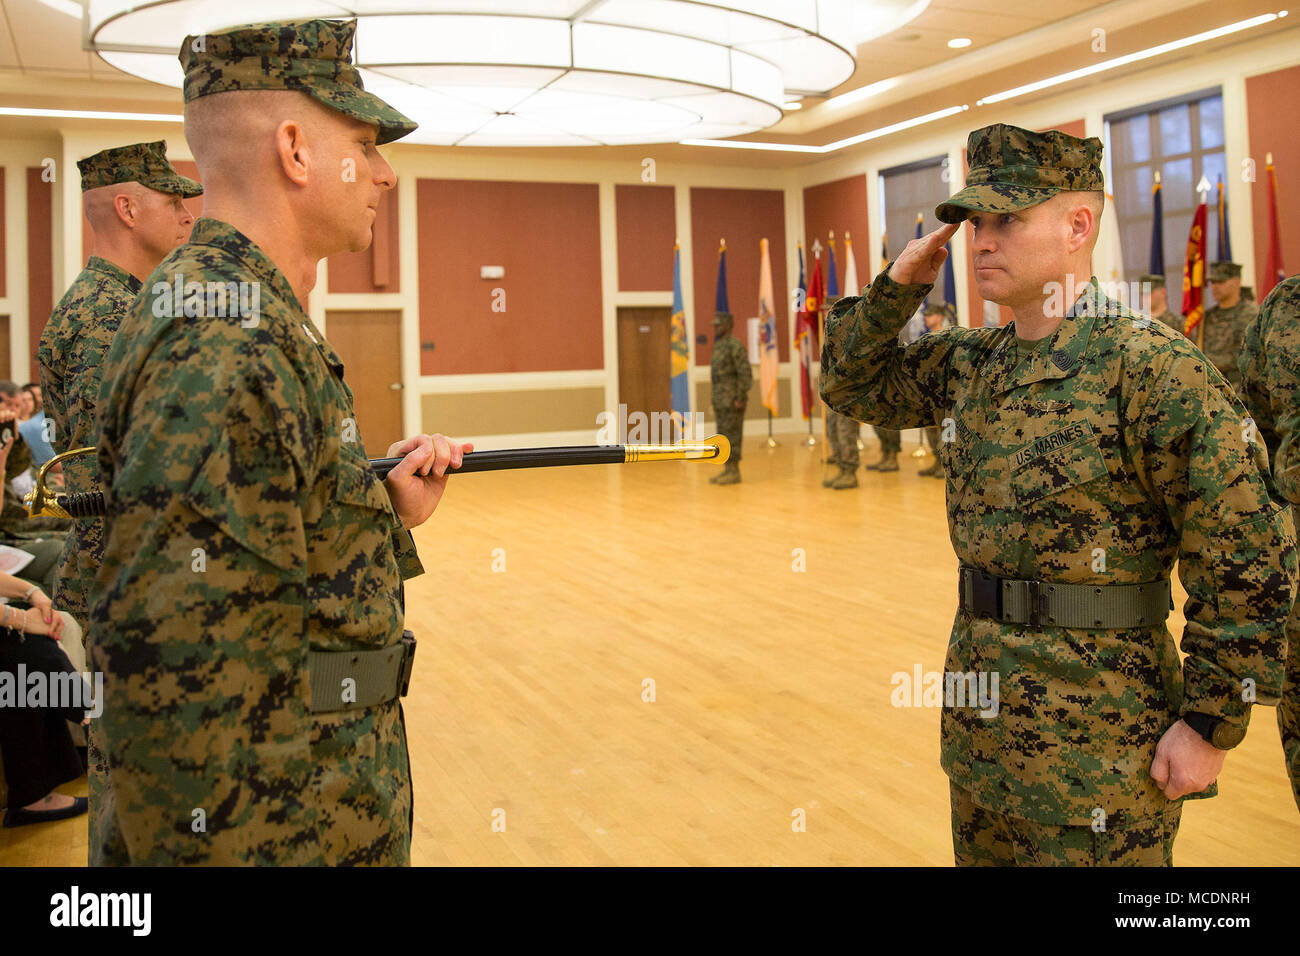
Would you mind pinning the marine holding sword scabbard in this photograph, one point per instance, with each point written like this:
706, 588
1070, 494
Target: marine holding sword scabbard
1086, 449
248, 616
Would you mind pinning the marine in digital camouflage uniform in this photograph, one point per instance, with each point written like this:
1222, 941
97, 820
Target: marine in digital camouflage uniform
731, 376
253, 564
842, 437
72, 350
1270, 386
77, 337
1084, 465
1227, 320
1157, 304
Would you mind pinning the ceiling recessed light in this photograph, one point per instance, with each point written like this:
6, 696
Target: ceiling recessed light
959, 43
792, 105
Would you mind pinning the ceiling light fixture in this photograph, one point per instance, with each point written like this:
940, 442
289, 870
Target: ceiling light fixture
959, 43
1132, 58
548, 72
91, 114
69, 7
839, 143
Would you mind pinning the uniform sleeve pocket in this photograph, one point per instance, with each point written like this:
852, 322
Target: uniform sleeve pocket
256, 509
1057, 470
358, 486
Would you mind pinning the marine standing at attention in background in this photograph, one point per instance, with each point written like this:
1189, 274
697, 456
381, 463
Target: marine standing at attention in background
1092, 448
132, 198
731, 375
1227, 320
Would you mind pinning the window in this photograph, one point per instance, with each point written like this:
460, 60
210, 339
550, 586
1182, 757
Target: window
1183, 139
905, 191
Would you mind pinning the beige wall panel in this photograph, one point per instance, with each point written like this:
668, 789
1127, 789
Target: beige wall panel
513, 413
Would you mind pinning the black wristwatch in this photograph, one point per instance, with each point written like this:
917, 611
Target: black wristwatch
1215, 730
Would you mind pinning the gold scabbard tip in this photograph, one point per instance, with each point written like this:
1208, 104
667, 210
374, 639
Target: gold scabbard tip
715, 449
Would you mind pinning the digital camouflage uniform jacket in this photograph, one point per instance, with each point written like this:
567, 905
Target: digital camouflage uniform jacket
1270, 386
1225, 330
244, 527
730, 372
71, 354
1116, 443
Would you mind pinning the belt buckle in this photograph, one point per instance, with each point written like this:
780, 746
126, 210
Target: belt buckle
985, 594
1034, 601
408, 663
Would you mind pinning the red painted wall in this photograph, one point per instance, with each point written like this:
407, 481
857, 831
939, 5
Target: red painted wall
647, 228
839, 207
374, 269
742, 217
3, 291
1272, 103
547, 237
40, 261
975, 303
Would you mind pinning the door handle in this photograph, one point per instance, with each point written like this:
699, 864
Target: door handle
396, 386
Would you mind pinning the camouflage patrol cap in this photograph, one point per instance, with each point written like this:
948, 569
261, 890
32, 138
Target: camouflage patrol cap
1223, 271
312, 57
1152, 280
1013, 168
143, 163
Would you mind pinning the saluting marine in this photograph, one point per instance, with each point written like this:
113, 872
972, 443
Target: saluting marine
1092, 449
248, 616
1270, 387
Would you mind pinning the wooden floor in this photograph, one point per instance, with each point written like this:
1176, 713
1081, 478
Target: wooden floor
771, 686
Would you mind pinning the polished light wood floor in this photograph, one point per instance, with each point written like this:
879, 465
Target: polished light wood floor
533, 740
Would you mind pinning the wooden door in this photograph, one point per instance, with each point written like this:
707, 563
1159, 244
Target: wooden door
643, 359
4, 342
370, 344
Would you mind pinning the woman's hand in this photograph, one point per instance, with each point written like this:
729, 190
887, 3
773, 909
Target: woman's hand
36, 621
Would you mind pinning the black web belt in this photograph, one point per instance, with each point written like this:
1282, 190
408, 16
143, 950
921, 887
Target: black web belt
355, 680
1048, 604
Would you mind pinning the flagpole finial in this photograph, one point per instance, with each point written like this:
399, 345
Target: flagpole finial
832, 234
846, 235
1268, 159
1157, 177
722, 245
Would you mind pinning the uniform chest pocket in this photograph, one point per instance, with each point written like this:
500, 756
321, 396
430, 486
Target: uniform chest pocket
1059, 469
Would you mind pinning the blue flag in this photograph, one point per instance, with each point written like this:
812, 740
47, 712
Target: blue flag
1225, 241
832, 283
721, 302
679, 355
1157, 230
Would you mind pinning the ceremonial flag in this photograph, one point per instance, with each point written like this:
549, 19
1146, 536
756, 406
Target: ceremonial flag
1225, 241
851, 286
768, 359
920, 218
949, 287
679, 355
832, 283
1194, 272
806, 333
1273, 271
884, 253
1157, 230
720, 304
